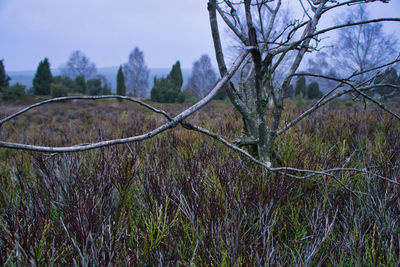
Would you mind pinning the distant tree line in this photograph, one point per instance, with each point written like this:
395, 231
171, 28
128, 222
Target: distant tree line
45, 84
202, 80
310, 91
79, 76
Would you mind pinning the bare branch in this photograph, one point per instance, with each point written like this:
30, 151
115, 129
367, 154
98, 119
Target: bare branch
283, 170
354, 88
172, 123
325, 100
349, 25
239, 33
61, 99
237, 102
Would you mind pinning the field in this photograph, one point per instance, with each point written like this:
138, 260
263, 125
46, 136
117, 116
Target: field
183, 199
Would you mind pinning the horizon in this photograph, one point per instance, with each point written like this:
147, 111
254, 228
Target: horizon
98, 68
25, 77
106, 32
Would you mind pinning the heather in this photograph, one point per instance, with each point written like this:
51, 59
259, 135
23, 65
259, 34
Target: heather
182, 198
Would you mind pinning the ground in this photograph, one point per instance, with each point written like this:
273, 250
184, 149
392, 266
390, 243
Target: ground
182, 198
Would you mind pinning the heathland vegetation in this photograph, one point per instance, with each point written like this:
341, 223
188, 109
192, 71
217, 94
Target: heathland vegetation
297, 165
183, 198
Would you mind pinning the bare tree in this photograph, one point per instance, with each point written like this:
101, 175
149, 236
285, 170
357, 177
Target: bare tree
362, 47
203, 77
136, 74
262, 53
268, 50
78, 64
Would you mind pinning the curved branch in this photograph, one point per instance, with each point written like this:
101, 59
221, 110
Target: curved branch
354, 88
239, 33
172, 123
60, 99
346, 25
283, 170
327, 99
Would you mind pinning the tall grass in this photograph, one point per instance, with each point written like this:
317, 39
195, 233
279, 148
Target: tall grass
183, 199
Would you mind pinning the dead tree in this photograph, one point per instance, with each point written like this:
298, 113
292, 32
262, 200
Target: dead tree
262, 53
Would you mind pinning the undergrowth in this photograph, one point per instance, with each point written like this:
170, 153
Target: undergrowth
184, 199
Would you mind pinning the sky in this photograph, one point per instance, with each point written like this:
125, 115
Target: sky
107, 31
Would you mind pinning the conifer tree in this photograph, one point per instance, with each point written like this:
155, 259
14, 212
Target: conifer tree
4, 79
168, 90
300, 86
175, 77
43, 78
80, 84
313, 91
121, 88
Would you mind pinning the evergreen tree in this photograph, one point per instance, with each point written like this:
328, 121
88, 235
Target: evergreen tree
80, 84
163, 91
4, 79
121, 88
43, 78
313, 91
168, 90
300, 86
106, 90
58, 90
175, 77
67, 82
94, 87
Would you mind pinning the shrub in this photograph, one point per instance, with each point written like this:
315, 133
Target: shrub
94, 87
299, 100
80, 84
66, 82
168, 89
181, 97
58, 90
14, 92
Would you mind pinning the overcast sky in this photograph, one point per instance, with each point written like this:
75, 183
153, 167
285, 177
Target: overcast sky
106, 31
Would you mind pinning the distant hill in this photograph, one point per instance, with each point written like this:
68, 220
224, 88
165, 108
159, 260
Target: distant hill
26, 77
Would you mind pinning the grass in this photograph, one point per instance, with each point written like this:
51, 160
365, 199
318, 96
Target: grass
183, 199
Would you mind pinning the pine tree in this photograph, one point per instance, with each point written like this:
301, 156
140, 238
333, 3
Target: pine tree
4, 79
43, 78
300, 86
121, 88
313, 91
